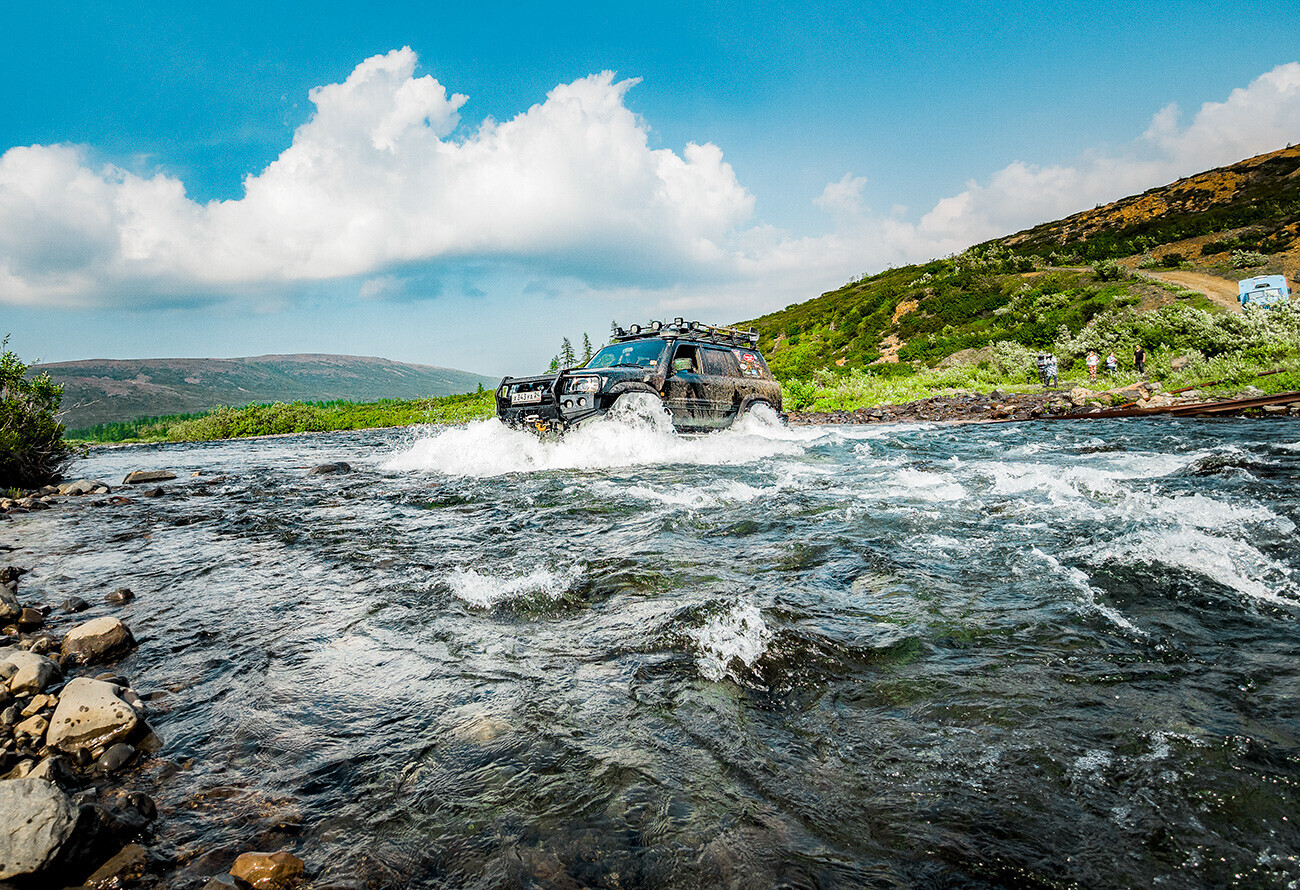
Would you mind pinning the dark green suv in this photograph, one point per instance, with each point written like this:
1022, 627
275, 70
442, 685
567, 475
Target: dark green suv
705, 376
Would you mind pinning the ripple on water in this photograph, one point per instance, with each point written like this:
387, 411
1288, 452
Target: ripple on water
883, 655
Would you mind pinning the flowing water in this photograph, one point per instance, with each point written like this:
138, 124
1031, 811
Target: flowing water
889, 656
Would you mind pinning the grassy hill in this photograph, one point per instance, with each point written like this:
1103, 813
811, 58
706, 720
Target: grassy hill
110, 390
1043, 287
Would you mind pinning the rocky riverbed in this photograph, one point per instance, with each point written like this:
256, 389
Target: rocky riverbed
73, 734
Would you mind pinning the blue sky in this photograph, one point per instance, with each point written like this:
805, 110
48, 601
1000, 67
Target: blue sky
464, 185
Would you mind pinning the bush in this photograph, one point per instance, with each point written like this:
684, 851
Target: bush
1246, 259
1110, 270
32, 450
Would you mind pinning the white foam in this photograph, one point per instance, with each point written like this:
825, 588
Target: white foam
487, 590
1232, 563
926, 486
489, 448
738, 633
1079, 580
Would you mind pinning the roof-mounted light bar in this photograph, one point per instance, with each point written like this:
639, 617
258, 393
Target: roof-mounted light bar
715, 333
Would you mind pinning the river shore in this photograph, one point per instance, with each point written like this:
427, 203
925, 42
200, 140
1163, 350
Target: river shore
80, 763
1051, 404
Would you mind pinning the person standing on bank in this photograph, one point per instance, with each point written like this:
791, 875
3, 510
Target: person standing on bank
1140, 359
1093, 358
1112, 364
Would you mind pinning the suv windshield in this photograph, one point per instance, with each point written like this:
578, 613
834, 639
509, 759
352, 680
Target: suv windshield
641, 353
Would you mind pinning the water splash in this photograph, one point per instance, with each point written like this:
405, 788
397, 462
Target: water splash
624, 439
488, 590
738, 634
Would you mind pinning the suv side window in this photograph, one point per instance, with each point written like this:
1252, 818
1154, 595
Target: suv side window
752, 364
720, 362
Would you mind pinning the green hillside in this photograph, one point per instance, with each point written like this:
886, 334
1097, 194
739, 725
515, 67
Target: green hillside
1092, 280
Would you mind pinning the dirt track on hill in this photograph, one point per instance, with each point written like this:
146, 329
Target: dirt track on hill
1216, 289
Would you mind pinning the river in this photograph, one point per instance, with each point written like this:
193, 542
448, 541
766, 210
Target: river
881, 656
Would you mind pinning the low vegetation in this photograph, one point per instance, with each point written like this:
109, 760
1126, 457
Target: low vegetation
293, 417
1218, 352
33, 451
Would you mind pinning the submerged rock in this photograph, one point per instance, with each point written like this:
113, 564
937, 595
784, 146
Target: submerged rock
267, 871
124, 869
326, 469
120, 597
140, 477
36, 820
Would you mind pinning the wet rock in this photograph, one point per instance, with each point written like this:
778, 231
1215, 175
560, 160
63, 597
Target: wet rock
267, 871
10, 608
30, 619
90, 715
120, 597
51, 769
82, 487
326, 469
140, 477
36, 820
124, 869
98, 640
115, 758
27, 673
225, 882
74, 604
10, 716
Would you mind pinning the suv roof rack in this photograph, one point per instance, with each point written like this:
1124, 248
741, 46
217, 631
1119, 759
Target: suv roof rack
693, 329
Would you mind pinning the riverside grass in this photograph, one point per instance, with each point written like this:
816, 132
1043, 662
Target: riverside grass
292, 417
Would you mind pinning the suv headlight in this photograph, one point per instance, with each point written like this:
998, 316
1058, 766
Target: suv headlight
587, 383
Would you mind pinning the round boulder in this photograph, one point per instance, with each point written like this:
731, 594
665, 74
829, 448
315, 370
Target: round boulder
36, 820
90, 715
98, 640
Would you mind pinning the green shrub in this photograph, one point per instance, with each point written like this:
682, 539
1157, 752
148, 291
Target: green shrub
32, 450
797, 394
1246, 259
1110, 270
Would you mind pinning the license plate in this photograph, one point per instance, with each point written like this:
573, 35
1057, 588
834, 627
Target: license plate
531, 397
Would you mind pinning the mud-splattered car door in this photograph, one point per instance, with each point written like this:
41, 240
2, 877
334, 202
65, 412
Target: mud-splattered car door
720, 375
684, 388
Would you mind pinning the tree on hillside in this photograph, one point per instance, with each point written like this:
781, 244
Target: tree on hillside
567, 358
32, 450
587, 351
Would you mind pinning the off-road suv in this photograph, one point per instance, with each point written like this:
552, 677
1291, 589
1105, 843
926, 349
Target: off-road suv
705, 376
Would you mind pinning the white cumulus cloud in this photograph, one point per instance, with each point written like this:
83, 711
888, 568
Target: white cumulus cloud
568, 194
372, 180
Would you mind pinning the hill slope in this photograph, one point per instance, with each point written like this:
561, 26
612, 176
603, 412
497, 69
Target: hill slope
107, 390
1026, 286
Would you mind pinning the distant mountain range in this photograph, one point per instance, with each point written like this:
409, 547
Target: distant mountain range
106, 390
